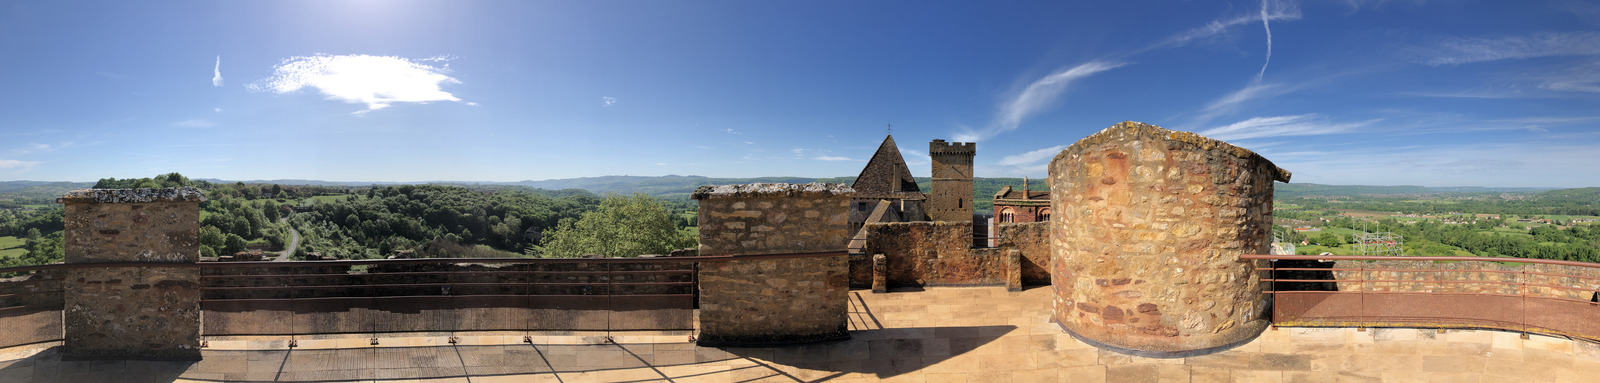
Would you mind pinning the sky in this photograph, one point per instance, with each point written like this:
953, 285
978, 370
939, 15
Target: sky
1371, 92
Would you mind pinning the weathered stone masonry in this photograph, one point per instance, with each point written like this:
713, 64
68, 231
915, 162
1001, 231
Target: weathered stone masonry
1147, 232
150, 312
770, 301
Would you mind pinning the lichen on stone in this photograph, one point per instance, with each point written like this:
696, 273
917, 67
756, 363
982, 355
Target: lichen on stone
183, 194
815, 189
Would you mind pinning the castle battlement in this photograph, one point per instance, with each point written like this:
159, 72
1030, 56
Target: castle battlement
937, 147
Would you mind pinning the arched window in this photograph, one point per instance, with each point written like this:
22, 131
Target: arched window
1044, 215
1007, 215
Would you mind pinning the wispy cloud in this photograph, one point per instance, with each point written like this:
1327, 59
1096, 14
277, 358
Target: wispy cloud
1032, 157
832, 158
731, 131
1279, 126
1231, 102
17, 164
377, 81
1270, 10
194, 123
1464, 50
607, 101
1034, 99
216, 73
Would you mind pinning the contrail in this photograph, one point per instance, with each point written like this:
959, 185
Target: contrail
216, 73
1269, 40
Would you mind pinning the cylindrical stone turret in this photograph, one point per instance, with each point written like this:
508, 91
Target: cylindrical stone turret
1148, 228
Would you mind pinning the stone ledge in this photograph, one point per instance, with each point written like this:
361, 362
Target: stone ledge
815, 189
183, 194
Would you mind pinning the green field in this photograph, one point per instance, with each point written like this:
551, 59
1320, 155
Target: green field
11, 247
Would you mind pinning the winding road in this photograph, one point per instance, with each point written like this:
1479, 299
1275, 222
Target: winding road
293, 242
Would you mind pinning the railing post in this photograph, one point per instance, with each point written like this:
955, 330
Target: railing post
1524, 291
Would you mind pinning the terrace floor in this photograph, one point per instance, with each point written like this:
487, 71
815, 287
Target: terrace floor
933, 335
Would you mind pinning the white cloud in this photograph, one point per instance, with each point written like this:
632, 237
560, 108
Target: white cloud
1032, 157
1033, 99
1265, 15
1230, 103
731, 131
832, 158
218, 110
16, 164
377, 81
194, 123
1270, 10
607, 101
1463, 50
216, 73
1279, 126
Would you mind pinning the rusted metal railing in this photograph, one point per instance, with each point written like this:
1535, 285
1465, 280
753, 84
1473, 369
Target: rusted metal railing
30, 305
1517, 294
449, 295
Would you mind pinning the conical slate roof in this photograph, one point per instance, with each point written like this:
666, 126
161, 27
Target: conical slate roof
886, 175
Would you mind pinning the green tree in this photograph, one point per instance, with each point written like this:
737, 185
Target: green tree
620, 227
234, 244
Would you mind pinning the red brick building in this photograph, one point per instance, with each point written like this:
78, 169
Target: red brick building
1011, 206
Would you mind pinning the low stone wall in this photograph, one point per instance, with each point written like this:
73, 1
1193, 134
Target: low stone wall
150, 312
771, 301
1580, 283
934, 254
1033, 240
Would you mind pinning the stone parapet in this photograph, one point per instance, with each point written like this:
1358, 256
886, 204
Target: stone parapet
1147, 231
773, 301
1532, 279
150, 312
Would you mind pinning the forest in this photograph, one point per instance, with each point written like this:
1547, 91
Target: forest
346, 221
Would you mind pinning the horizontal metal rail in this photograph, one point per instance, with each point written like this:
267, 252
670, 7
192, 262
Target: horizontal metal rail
1507, 295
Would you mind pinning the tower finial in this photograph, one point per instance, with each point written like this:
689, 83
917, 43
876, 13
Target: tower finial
890, 129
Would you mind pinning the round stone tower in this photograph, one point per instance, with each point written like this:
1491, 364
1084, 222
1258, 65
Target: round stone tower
1148, 228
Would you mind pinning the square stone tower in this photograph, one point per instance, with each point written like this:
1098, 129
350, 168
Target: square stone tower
952, 180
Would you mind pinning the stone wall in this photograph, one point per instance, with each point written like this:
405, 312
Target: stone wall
936, 253
148, 312
773, 301
1148, 229
1033, 239
1580, 283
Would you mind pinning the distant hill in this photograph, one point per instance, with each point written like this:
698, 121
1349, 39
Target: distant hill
1291, 190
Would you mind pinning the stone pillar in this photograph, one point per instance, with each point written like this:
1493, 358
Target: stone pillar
150, 311
880, 273
1146, 242
773, 301
1013, 270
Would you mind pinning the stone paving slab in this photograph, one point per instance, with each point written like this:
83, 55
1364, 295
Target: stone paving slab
982, 334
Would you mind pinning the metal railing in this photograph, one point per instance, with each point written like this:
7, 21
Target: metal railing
30, 305
401, 295
433, 295
1517, 294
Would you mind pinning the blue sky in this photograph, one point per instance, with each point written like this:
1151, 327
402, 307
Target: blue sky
1437, 93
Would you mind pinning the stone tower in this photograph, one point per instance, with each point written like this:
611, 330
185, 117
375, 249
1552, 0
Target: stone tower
1149, 227
952, 180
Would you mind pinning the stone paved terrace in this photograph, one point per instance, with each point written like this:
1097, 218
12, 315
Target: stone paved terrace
935, 335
